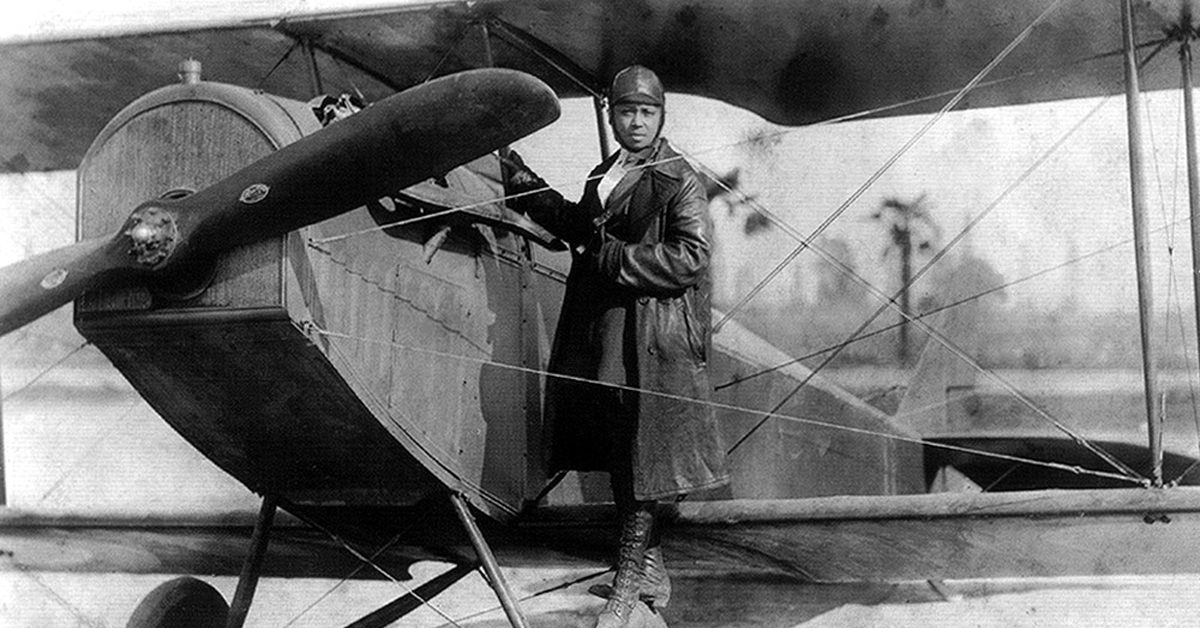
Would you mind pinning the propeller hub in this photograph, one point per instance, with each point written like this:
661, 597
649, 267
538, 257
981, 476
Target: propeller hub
152, 233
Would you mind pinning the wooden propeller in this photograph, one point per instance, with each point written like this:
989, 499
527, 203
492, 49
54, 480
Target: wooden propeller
397, 142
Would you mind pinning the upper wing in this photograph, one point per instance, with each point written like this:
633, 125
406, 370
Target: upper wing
791, 62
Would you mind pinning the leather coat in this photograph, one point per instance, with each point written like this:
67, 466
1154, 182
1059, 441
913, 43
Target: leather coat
661, 261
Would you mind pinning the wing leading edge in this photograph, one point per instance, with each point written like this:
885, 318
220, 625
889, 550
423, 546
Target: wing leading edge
790, 62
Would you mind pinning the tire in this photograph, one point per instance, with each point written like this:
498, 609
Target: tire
183, 602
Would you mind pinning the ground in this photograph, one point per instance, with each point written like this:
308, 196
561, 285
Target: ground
29, 599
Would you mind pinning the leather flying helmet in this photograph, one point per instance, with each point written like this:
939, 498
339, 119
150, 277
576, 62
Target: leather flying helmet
636, 84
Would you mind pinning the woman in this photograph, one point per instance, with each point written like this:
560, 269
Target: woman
635, 325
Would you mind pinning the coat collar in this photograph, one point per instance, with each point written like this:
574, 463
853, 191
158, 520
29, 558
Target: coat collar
663, 159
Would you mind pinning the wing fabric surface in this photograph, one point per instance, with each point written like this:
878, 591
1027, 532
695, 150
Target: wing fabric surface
790, 62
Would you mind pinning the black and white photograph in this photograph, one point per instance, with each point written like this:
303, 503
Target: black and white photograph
599, 314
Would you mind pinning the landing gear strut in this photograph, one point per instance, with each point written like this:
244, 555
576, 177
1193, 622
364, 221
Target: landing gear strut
190, 603
248, 579
187, 602
490, 568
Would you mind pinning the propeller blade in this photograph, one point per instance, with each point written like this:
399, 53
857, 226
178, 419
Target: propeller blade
399, 141
411, 136
42, 283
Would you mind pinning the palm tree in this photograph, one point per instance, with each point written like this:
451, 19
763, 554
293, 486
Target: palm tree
728, 188
909, 223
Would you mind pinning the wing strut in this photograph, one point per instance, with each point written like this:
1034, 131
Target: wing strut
1137, 186
1193, 174
565, 66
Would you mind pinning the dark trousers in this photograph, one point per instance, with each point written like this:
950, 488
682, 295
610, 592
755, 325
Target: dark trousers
623, 419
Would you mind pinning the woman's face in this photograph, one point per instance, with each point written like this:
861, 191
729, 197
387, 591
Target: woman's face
636, 124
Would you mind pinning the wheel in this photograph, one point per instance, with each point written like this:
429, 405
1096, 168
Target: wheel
181, 603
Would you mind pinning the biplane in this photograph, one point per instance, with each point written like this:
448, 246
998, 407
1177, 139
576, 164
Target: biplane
348, 320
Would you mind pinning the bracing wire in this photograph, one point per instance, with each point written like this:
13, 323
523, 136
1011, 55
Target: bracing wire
64, 217
90, 450
82, 618
890, 302
282, 59
337, 63
374, 555
382, 407
1187, 352
887, 165
45, 371
1173, 290
1115, 463
1160, 414
462, 34
408, 221
370, 562
867, 113
942, 308
537, 594
725, 406
1179, 307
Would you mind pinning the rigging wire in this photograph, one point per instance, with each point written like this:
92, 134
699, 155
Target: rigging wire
890, 302
949, 105
1173, 290
536, 594
1042, 413
263, 80
859, 115
887, 165
462, 34
1187, 347
728, 407
64, 217
1187, 358
369, 561
346, 76
45, 371
1000, 478
1195, 255
943, 308
385, 409
91, 449
421, 515
866, 113
1160, 415
58, 598
941, 339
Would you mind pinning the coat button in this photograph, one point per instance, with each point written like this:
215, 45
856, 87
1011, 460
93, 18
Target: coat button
650, 350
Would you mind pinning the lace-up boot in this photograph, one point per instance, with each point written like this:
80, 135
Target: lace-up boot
619, 611
656, 583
